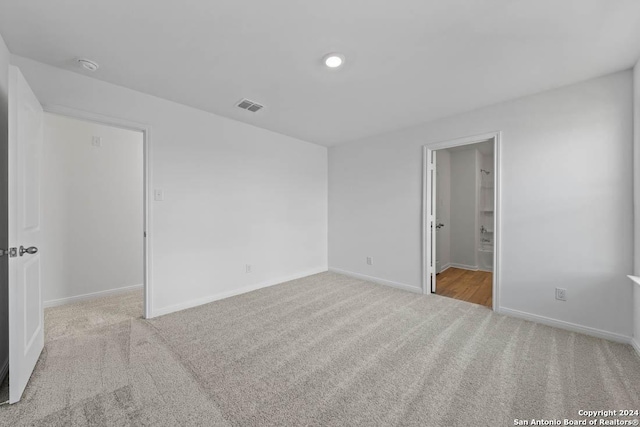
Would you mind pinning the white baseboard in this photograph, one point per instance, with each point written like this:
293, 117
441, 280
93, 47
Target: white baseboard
4, 370
445, 268
464, 266
573, 327
84, 297
636, 344
403, 286
223, 295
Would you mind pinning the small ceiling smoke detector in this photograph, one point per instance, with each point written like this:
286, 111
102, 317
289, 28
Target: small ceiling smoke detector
333, 60
87, 64
252, 106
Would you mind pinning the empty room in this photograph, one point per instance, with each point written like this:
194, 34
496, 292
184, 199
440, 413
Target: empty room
223, 213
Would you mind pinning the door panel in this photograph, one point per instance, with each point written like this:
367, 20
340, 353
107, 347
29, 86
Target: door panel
30, 126
31, 285
26, 314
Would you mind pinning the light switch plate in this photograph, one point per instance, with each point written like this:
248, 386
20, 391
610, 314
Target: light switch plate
158, 195
96, 141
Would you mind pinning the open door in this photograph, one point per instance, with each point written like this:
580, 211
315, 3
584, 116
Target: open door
431, 220
26, 313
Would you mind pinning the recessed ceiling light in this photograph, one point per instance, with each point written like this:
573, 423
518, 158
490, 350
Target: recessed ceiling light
87, 64
334, 60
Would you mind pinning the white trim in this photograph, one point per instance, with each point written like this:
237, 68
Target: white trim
636, 345
464, 266
497, 211
403, 286
445, 268
635, 279
148, 180
92, 295
497, 236
232, 293
426, 194
573, 327
4, 371
634, 341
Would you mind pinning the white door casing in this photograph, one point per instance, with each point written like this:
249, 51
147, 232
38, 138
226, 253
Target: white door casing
428, 243
434, 234
26, 314
430, 222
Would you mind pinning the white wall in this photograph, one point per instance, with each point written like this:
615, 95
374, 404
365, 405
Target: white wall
487, 194
485, 198
464, 210
636, 198
567, 214
4, 208
443, 209
234, 194
92, 206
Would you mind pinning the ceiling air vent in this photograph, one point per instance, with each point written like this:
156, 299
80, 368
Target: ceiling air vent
252, 106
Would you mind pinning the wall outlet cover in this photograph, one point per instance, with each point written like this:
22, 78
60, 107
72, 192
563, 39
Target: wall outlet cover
561, 294
96, 141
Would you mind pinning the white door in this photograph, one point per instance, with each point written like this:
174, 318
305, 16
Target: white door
431, 220
26, 314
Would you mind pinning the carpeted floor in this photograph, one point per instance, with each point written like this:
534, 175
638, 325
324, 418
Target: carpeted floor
4, 390
323, 350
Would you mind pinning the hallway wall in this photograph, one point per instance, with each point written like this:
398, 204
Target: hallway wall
464, 211
92, 205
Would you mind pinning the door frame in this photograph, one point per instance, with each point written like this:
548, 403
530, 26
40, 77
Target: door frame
147, 180
427, 202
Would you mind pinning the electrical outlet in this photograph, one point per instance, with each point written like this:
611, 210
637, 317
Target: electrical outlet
561, 294
248, 268
369, 260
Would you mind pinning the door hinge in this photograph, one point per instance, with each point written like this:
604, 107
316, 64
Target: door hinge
12, 252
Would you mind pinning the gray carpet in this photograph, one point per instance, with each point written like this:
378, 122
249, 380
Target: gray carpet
324, 350
4, 390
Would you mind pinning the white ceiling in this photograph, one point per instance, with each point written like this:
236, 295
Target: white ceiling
407, 61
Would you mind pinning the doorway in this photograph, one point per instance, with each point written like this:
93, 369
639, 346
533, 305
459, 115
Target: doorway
92, 209
147, 194
93, 222
460, 221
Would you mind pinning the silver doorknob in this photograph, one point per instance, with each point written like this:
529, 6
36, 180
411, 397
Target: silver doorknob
30, 250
